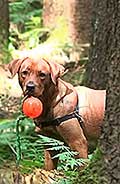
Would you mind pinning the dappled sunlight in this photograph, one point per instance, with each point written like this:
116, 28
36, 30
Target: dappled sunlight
48, 51
9, 86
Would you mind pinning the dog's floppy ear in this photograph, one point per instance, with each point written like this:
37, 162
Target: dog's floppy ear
14, 66
56, 70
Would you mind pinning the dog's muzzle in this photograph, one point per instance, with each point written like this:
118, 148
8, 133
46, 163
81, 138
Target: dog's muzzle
30, 87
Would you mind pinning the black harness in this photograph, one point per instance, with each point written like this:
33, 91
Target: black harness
58, 121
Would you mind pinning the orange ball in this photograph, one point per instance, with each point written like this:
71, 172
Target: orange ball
32, 107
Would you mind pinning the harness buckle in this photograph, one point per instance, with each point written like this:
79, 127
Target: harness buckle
78, 116
58, 121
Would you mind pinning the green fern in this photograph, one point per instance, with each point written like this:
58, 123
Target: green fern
22, 11
32, 146
66, 157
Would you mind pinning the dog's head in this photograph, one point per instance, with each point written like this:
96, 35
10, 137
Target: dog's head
35, 76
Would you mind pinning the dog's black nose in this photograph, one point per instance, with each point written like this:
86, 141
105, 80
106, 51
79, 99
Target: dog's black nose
30, 86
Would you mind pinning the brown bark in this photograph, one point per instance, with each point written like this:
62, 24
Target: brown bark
104, 42
4, 29
110, 139
103, 71
79, 20
79, 25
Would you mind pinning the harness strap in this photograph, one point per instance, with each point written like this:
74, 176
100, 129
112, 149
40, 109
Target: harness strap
58, 121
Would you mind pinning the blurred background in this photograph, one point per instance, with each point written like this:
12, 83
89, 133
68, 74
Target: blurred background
82, 35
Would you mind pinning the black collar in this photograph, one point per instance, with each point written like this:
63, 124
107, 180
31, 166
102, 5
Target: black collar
58, 121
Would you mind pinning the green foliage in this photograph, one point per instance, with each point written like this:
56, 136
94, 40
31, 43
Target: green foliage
28, 32
23, 10
26, 24
5, 55
70, 177
32, 147
91, 173
67, 160
31, 154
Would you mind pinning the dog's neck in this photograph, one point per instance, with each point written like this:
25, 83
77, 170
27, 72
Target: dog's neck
48, 98
55, 102
51, 97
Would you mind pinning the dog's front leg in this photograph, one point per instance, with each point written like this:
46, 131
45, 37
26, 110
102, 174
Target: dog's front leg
50, 162
73, 135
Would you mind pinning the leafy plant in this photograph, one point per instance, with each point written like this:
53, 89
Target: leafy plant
22, 11
67, 160
29, 148
91, 173
25, 24
32, 153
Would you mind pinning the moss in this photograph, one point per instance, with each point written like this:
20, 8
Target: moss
91, 173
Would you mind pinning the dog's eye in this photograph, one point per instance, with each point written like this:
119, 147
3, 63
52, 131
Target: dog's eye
42, 75
24, 73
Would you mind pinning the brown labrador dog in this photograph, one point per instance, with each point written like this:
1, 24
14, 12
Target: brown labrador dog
74, 114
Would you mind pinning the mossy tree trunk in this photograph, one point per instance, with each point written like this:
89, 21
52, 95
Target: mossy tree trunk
103, 71
4, 30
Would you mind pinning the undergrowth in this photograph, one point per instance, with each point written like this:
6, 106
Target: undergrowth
32, 146
90, 175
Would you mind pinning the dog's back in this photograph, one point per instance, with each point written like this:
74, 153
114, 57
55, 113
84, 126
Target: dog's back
91, 108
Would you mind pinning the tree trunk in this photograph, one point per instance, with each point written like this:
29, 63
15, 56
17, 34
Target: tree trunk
79, 24
4, 30
96, 70
110, 139
52, 10
103, 71
77, 14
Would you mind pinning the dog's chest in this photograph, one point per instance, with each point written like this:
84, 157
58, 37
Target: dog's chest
64, 107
